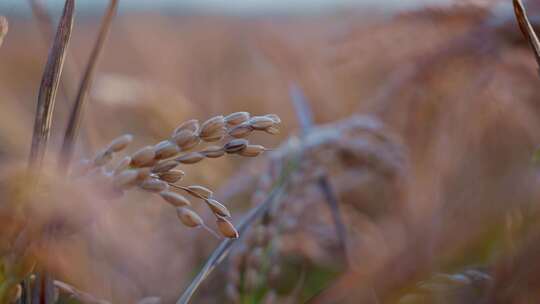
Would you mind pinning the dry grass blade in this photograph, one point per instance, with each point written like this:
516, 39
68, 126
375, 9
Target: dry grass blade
76, 112
49, 86
527, 29
44, 113
223, 249
305, 117
3, 28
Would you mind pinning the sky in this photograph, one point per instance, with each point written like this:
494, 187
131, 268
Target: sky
224, 6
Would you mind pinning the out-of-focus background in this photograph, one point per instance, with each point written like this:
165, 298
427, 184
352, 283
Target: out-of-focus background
442, 208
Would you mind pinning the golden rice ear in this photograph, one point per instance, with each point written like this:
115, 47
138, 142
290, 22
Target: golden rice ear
261, 122
235, 145
143, 157
190, 125
143, 173
213, 152
240, 131
199, 191
216, 136
237, 118
191, 158
154, 185
166, 149
171, 176
211, 127
186, 139
165, 166
120, 143
252, 150
273, 130
226, 228
122, 165
188, 217
125, 179
218, 208
175, 199
274, 117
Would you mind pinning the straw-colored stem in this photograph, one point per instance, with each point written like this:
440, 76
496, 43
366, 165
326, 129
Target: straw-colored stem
75, 116
527, 29
49, 87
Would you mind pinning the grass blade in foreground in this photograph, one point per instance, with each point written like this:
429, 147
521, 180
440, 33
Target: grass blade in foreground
76, 113
44, 113
49, 87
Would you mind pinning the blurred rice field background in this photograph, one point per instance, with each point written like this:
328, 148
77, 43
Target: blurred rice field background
427, 118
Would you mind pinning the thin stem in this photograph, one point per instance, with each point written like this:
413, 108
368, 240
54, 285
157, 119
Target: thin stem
221, 252
527, 29
224, 247
75, 116
212, 232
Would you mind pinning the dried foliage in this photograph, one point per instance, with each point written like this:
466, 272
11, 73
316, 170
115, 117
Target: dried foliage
49, 86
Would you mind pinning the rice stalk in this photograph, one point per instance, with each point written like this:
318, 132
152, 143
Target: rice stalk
151, 168
75, 116
222, 251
